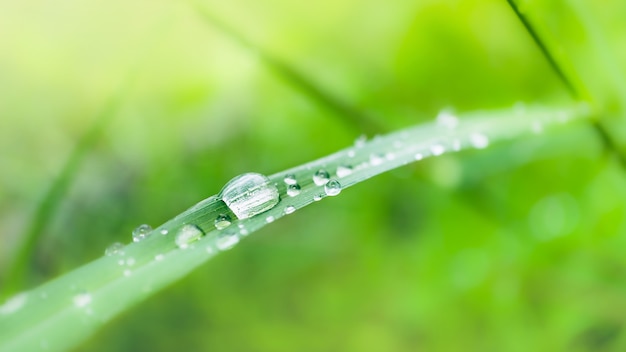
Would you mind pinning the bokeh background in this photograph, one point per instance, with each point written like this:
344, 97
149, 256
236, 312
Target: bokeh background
515, 248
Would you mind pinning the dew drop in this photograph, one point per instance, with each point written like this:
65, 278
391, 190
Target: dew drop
351, 153
130, 261
290, 209
250, 194
290, 179
226, 240
360, 141
437, 149
317, 197
243, 232
293, 190
114, 249
456, 145
210, 250
332, 188
164, 232
269, 219
390, 156
376, 159
419, 156
159, 257
321, 177
447, 119
222, 221
127, 273
82, 299
188, 234
141, 232
343, 170
479, 140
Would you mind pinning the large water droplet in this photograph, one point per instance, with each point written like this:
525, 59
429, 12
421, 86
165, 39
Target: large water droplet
250, 194
343, 170
226, 240
332, 188
114, 249
141, 232
222, 221
188, 234
293, 190
290, 179
320, 177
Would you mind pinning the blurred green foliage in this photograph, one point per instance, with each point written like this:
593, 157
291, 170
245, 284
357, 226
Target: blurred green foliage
515, 248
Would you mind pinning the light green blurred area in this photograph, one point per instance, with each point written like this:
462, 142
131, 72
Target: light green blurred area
515, 248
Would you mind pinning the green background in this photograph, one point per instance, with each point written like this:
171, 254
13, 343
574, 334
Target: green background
515, 248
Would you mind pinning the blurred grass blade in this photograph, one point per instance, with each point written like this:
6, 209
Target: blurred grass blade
89, 296
572, 79
342, 110
51, 200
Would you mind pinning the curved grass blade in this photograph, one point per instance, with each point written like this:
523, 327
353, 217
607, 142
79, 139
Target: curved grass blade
91, 295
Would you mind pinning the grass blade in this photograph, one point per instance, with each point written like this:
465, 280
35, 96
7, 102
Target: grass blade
91, 295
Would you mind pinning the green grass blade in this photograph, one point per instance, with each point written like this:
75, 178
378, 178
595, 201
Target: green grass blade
51, 200
89, 296
342, 110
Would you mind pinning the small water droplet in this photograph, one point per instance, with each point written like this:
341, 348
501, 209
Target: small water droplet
210, 250
269, 219
82, 299
479, 140
127, 272
419, 156
376, 159
130, 261
164, 232
293, 190
320, 177
243, 232
114, 249
226, 240
159, 257
437, 149
447, 119
222, 221
398, 144
456, 145
390, 156
290, 179
360, 141
13, 304
121, 262
317, 197
343, 170
141, 232
332, 188
351, 153
187, 235
290, 209
250, 194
